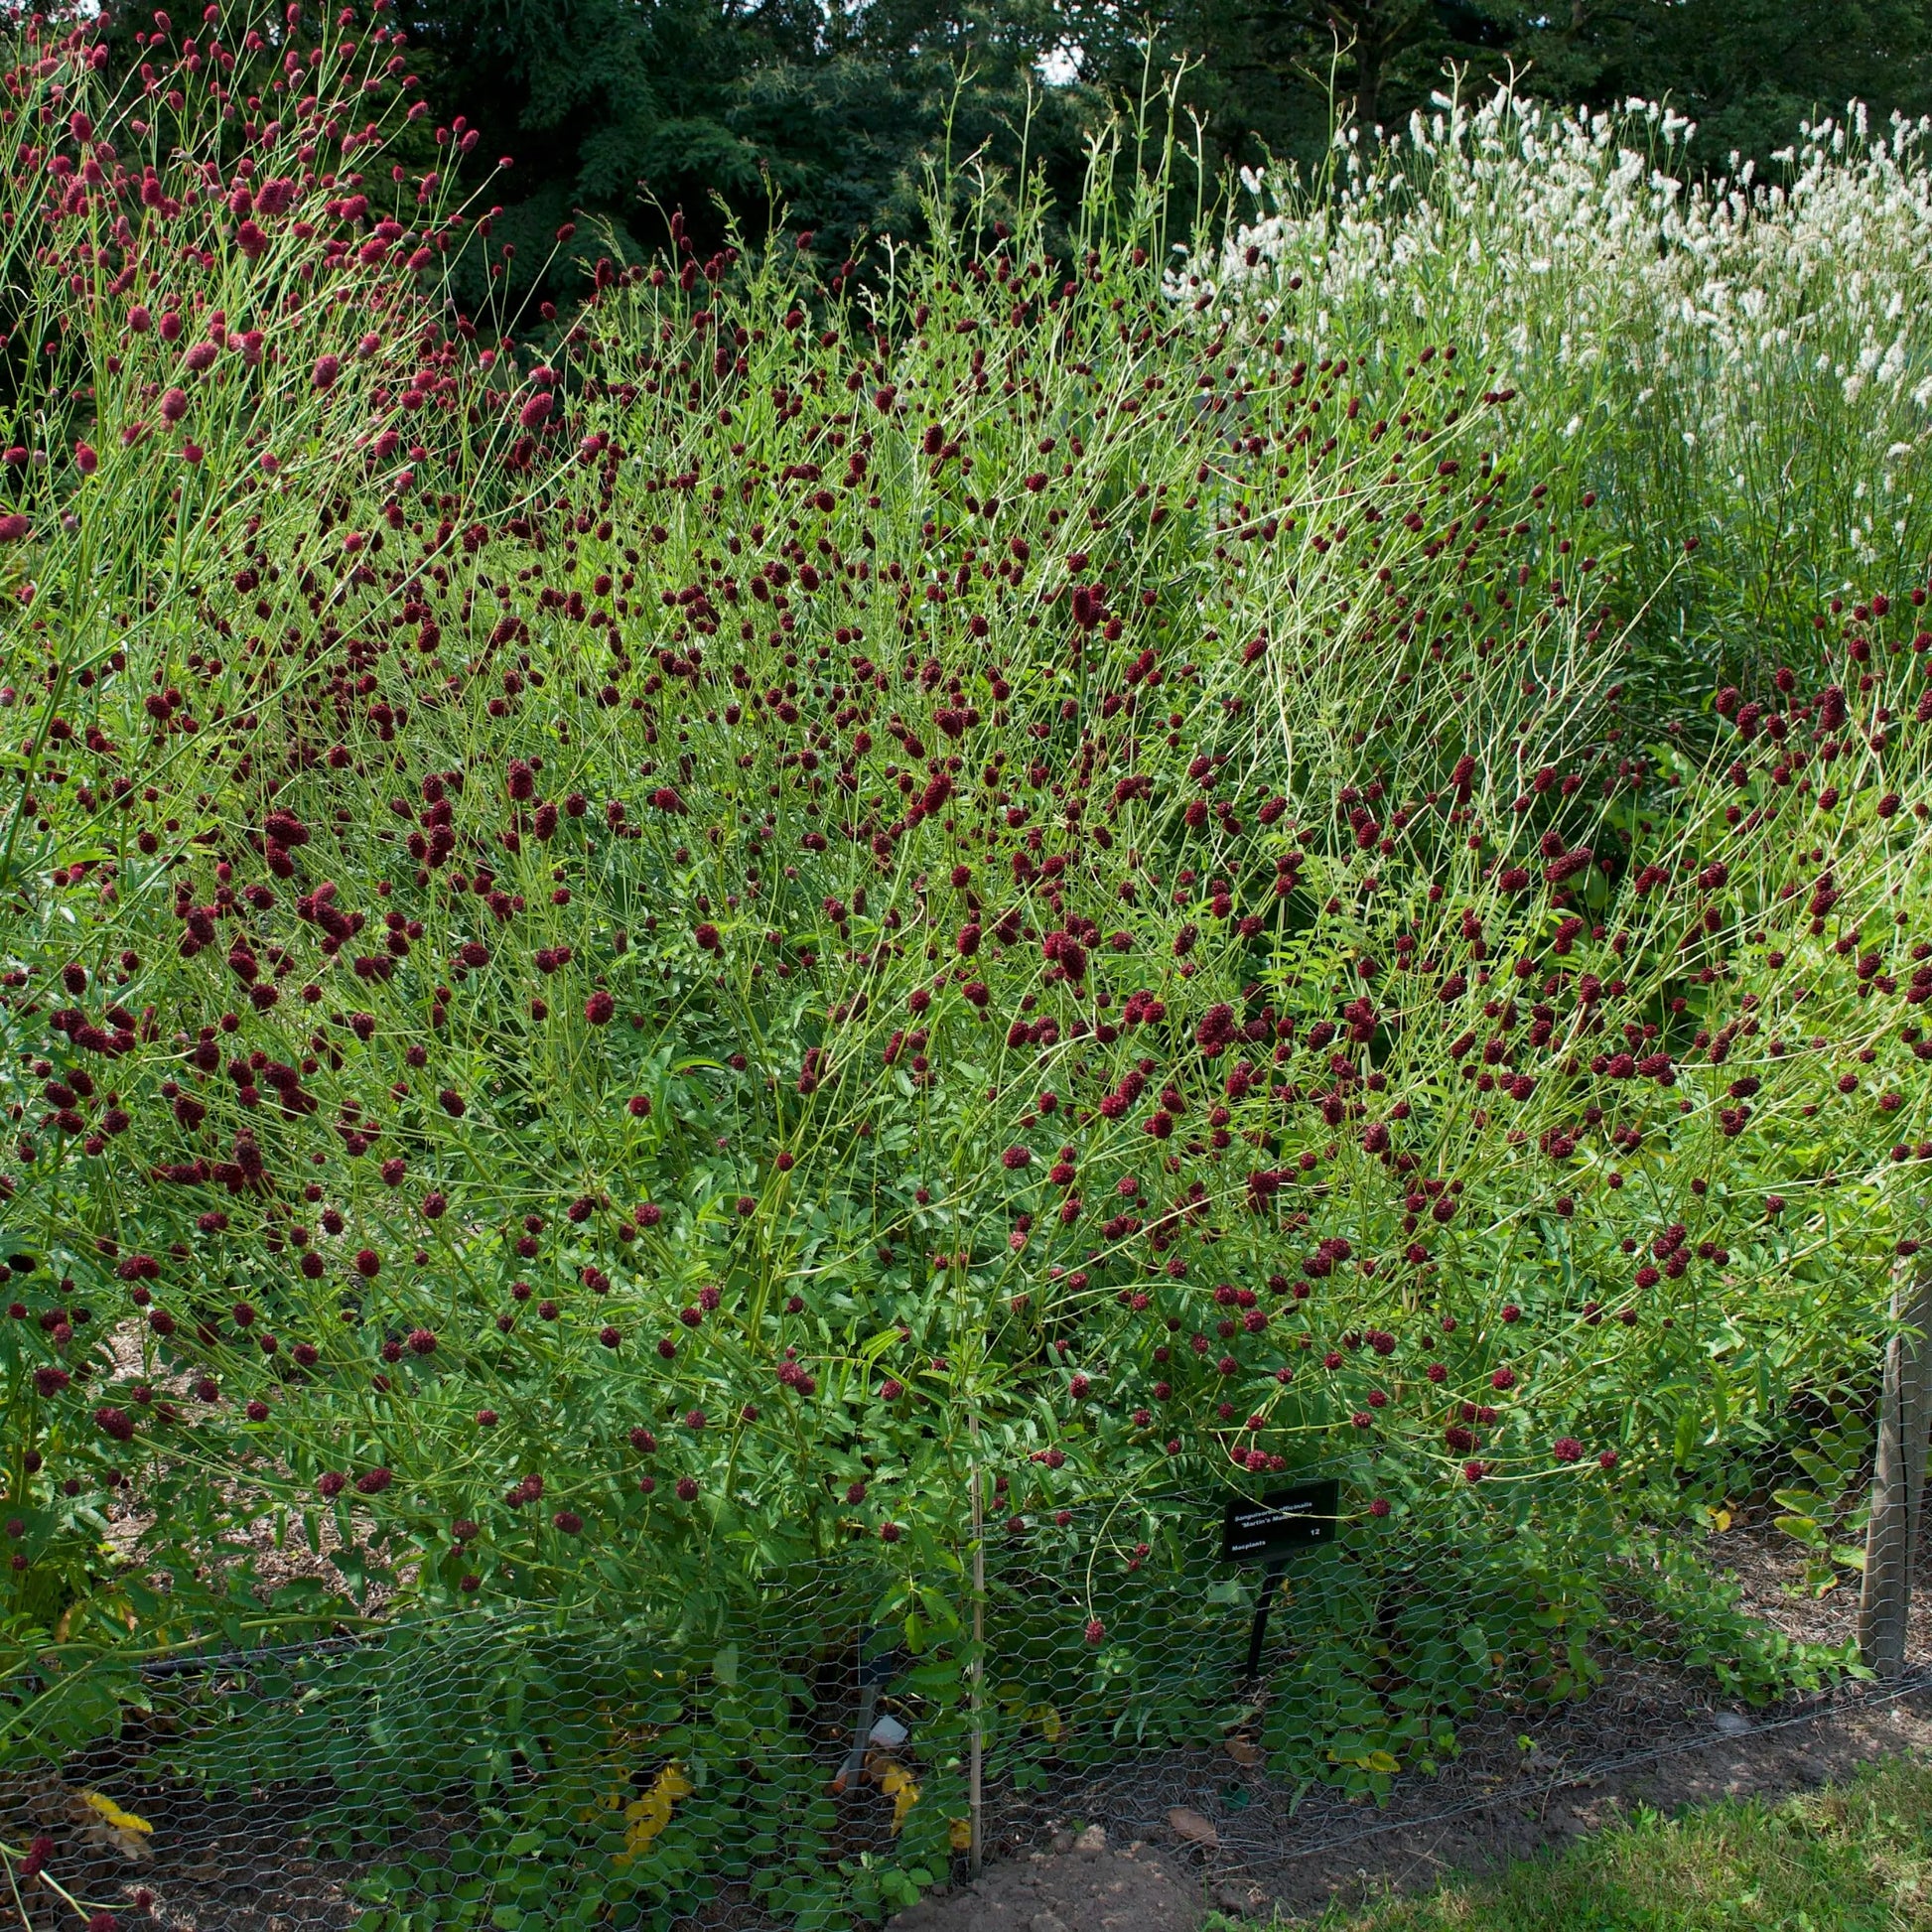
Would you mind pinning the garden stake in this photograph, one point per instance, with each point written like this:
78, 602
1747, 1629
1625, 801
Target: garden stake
1258, 1631
978, 1855
1898, 1478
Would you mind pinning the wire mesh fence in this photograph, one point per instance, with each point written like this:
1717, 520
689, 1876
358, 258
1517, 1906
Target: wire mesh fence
483, 1769
813, 1747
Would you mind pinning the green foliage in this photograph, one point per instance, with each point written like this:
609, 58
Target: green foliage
829, 121
1729, 365
838, 115
1851, 1858
1044, 888
1746, 71
1275, 77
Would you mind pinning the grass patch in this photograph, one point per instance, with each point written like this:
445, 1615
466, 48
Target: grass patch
1851, 1859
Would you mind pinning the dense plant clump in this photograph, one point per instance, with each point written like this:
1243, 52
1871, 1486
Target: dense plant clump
627, 970
1739, 358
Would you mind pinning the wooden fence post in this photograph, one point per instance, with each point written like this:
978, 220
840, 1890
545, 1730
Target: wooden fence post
1899, 1477
976, 1796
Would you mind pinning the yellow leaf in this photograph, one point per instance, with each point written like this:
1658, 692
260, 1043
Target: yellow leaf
1719, 1521
646, 1817
897, 1783
1381, 1762
1048, 1720
122, 1821
959, 1834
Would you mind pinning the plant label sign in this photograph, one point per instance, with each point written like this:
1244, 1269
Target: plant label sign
1265, 1531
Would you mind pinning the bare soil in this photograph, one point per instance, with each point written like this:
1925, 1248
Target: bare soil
1072, 1884
1500, 1804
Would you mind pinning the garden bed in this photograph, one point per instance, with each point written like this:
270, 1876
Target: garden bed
675, 974
1524, 1775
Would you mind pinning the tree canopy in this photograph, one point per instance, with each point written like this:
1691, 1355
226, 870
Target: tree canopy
739, 110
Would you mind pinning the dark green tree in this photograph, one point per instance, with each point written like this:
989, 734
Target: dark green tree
615, 112
1746, 71
734, 113
1273, 77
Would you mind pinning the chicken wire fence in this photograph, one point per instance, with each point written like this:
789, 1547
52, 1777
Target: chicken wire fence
812, 1747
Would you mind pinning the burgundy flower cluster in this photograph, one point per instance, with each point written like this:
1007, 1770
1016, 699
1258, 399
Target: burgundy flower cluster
680, 896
